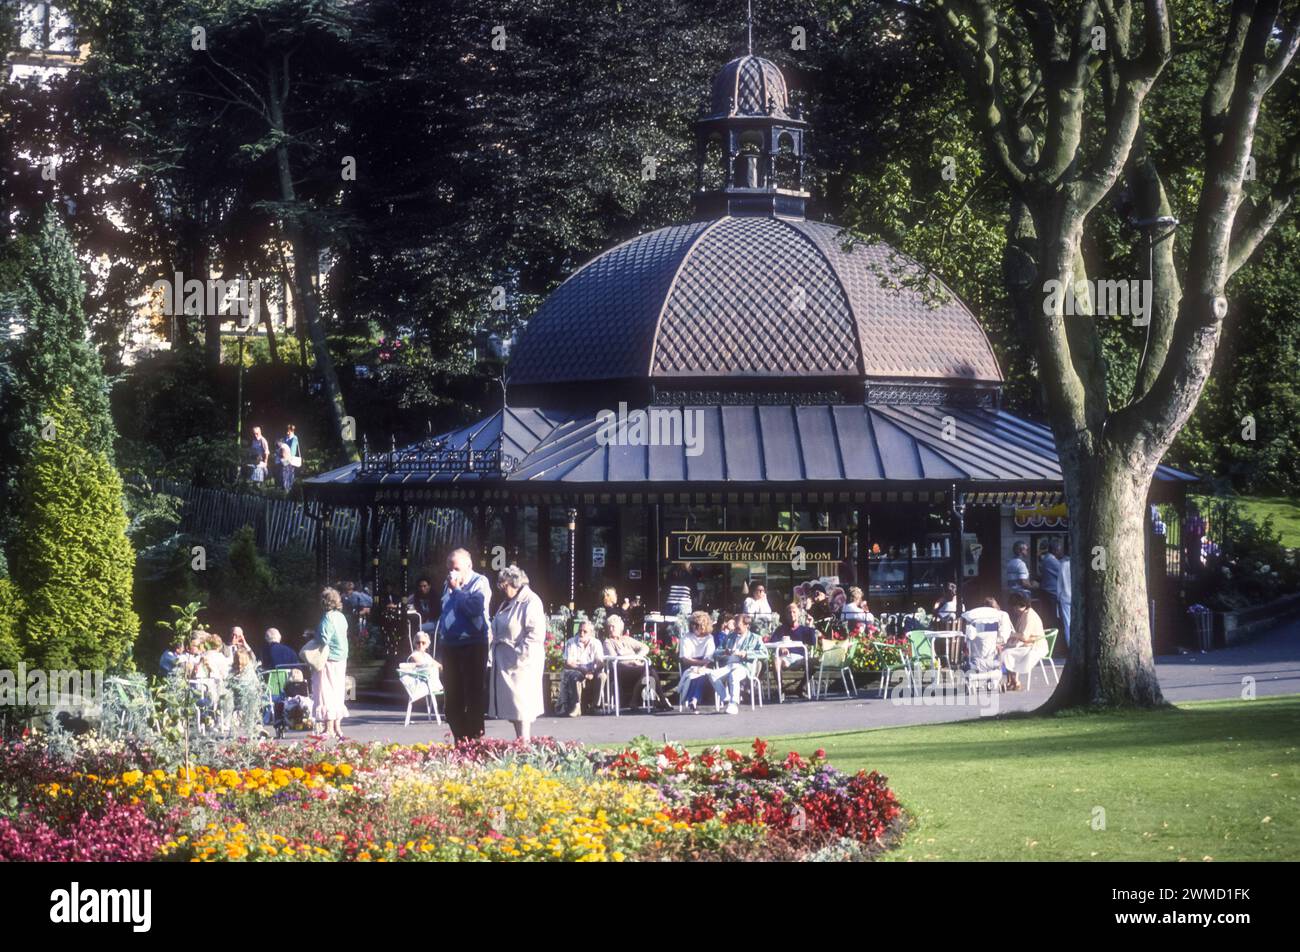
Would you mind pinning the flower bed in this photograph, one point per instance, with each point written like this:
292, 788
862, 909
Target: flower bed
492, 800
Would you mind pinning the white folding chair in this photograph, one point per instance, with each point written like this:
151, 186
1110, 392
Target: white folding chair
421, 684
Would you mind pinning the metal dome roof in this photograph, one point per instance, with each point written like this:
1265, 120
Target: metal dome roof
746, 297
749, 86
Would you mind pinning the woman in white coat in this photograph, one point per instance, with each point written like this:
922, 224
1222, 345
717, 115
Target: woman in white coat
518, 653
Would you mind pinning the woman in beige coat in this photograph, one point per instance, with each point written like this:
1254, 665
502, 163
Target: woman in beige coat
518, 653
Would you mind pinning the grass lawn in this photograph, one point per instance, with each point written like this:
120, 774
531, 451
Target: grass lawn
1285, 513
1209, 780
1284, 510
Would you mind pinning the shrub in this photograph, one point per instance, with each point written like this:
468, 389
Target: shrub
72, 560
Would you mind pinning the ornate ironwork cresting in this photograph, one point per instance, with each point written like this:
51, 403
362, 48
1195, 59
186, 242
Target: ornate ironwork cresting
436, 456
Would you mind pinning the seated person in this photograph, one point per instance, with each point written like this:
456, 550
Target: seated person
945, 607
275, 652
738, 653
213, 662
427, 603
631, 674
420, 657
422, 665
987, 629
243, 663
757, 603
297, 701
792, 629
357, 604
855, 610
187, 664
169, 660
237, 642
819, 607
609, 604
584, 669
695, 651
1027, 644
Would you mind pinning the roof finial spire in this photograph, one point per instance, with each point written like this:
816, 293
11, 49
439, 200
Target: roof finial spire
749, 21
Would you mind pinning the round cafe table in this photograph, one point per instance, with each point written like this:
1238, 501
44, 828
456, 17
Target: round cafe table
774, 646
611, 683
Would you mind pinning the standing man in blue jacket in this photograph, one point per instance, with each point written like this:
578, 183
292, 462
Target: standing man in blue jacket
463, 643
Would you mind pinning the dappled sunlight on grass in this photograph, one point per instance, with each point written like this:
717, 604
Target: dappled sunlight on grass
1217, 780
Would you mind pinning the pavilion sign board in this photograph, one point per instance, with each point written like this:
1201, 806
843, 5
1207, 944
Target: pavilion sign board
755, 546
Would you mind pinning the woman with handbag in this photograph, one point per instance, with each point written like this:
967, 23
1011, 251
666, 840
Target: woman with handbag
328, 656
518, 653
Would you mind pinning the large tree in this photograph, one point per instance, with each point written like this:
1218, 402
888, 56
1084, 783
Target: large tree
1059, 92
41, 293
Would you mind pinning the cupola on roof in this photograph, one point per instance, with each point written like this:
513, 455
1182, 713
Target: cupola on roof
752, 291
749, 86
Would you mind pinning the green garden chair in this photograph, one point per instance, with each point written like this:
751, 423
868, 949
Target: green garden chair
132, 702
884, 651
835, 660
921, 649
1050, 637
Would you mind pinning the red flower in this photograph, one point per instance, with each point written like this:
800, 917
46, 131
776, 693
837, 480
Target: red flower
760, 747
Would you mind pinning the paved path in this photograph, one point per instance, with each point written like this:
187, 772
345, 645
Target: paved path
1272, 660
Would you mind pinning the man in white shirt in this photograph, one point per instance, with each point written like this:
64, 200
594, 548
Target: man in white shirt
1018, 568
584, 669
987, 629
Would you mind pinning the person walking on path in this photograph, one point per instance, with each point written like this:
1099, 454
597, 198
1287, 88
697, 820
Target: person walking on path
259, 454
290, 456
463, 642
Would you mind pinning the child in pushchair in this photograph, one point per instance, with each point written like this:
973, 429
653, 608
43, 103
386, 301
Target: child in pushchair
297, 702
288, 700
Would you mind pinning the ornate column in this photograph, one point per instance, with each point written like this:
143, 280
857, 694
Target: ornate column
404, 546
573, 557
376, 513
327, 524
959, 530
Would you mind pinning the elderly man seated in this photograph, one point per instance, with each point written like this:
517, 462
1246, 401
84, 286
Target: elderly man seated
738, 654
987, 629
275, 653
631, 673
584, 670
794, 630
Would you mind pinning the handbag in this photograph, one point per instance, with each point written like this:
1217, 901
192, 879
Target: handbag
315, 654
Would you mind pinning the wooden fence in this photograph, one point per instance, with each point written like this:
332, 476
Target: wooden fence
278, 523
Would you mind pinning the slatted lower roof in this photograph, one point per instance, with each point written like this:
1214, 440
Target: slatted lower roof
779, 447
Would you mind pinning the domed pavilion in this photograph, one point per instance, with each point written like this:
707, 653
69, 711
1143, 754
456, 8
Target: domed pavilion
731, 392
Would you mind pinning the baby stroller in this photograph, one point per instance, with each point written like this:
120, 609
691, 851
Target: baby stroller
287, 704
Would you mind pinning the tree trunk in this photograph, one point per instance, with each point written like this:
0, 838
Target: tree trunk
211, 321
271, 344
1111, 659
304, 265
